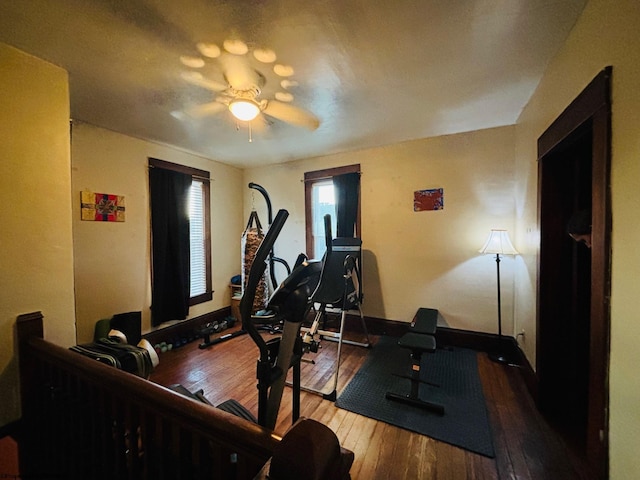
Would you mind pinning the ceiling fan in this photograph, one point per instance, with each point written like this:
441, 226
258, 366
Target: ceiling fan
240, 93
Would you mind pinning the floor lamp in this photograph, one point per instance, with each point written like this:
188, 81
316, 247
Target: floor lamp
498, 243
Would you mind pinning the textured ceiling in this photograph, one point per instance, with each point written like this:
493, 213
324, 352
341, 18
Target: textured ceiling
372, 72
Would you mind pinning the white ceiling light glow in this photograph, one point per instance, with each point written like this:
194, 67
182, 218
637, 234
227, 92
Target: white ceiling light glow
283, 70
264, 55
193, 62
244, 109
284, 97
210, 50
235, 47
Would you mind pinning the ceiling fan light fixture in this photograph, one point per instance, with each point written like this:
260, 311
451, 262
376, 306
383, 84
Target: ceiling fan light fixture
244, 109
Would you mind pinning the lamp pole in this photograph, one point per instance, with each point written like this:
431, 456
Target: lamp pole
499, 300
499, 243
498, 356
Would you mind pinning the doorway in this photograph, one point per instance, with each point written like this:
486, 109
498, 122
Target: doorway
574, 281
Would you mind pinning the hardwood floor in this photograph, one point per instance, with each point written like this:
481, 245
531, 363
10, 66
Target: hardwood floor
526, 445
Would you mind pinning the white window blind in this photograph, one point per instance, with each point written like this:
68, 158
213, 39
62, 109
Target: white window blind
197, 239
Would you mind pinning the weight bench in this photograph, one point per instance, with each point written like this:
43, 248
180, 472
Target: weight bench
425, 321
419, 340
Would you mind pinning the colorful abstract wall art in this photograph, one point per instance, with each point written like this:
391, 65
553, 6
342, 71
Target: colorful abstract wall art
432, 199
102, 207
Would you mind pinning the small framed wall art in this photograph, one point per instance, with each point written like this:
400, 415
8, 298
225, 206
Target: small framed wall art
101, 207
432, 199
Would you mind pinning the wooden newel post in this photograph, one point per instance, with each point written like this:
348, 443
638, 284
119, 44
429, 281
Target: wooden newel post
28, 326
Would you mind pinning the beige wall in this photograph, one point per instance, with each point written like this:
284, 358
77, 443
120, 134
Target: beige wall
36, 258
606, 34
112, 259
418, 259
411, 259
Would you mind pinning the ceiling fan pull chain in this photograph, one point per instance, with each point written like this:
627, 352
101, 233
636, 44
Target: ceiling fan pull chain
250, 138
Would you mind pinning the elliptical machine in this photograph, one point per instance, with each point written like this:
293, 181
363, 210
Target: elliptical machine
290, 304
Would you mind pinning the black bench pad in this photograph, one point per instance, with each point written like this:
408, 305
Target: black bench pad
417, 341
425, 321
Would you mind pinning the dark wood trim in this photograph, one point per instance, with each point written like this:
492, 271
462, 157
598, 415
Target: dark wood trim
328, 173
205, 297
28, 326
195, 172
376, 326
445, 336
590, 110
594, 97
308, 227
598, 426
186, 328
481, 341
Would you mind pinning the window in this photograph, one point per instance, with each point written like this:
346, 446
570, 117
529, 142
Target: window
200, 287
199, 256
320, 199
322, 202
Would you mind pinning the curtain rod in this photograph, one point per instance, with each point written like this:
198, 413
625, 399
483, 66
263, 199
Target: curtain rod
328, 177
204, 179
198, 177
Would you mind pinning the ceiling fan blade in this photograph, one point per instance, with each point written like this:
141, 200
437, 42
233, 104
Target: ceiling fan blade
239, 73
205, 109
290, 114
196, 78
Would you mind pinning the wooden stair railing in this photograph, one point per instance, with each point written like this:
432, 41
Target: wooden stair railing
85, 420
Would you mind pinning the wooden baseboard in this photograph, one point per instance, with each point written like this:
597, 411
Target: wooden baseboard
186, 328
376, 326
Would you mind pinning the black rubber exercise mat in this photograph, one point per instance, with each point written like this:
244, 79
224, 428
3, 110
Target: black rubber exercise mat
465, 422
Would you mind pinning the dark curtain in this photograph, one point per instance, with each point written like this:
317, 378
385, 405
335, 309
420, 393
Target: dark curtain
170, 290
346, 188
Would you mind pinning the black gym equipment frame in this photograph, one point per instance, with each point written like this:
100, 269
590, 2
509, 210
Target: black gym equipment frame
290, 304
338, 288
272, 258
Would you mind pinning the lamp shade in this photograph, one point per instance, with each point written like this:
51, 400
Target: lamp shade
244, 109
498, 242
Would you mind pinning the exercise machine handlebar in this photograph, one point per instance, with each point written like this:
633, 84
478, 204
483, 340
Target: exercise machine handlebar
255, 275
328, 235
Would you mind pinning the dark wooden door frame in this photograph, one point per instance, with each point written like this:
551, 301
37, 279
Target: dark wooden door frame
592, 106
